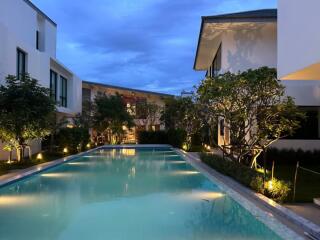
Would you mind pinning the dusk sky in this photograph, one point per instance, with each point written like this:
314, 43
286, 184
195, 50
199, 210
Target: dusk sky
143, 44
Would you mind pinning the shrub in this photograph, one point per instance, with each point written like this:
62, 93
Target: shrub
176, 138
278, 190
75, 139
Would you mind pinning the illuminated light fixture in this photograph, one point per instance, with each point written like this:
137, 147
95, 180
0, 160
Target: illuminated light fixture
78, 163
185, 147
65, 150
207, 195
16, 200
88, 145
176, 162
39, 156
56, 175
185, 172
270, 185
69, 125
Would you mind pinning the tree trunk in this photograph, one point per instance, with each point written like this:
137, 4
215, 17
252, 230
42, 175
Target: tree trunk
254, 158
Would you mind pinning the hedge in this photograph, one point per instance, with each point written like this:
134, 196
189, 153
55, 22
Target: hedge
75, 139
249, 177
174, 137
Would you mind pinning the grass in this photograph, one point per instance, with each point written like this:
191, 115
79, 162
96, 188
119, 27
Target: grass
308, 184
47, 157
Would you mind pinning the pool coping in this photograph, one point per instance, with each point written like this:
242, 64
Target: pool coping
273, 215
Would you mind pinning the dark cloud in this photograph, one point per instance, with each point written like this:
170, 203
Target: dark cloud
146, 44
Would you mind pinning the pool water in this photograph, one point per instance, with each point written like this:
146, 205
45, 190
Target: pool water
128, 193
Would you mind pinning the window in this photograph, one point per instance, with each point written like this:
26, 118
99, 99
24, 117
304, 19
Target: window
216, 64
63, 92
21, 63
37, 40
141, 108
86, 95
53, 85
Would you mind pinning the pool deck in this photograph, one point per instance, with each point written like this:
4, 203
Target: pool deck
273, 212
293, 226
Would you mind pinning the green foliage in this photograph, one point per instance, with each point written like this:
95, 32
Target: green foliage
75, 139
252, 103
277, 190
25, 111
173, 137
248, 177
110, 115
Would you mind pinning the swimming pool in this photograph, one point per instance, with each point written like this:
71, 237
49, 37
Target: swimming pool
124, 193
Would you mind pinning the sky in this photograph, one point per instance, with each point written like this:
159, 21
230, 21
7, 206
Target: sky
142, 44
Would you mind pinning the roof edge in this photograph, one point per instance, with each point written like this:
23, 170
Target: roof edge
34, 7
127, 89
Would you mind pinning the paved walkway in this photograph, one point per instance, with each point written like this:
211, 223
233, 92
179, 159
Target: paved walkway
307, 210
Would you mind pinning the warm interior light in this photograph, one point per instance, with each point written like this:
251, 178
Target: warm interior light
39, 156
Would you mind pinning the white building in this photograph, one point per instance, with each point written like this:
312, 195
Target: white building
239, 41
28, 40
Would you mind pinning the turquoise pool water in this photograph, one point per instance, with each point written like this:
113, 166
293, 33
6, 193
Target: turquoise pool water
142, 193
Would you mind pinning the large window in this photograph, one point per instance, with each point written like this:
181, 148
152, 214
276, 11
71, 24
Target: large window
63, 91
216, 64
37, 40
53, 85
21, 62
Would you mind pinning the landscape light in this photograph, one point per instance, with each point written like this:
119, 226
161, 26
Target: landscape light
65, 150
39, 156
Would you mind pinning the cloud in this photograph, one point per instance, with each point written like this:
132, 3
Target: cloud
145, 44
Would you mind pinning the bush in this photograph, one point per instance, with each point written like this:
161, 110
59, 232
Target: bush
176, 138
278, 190
75, 139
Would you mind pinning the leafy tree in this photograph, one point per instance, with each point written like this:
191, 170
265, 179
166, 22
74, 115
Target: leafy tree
182, 113
109, 116
75, 139
25, 112
148, 113
254, 107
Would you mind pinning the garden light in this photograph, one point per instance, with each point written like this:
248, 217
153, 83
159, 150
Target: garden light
65, 150
39, 156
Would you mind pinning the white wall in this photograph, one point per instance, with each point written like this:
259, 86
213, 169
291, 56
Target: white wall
251, 47
298, 35
18, 25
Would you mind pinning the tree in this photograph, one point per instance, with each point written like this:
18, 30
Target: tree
148, 113
109, 117
182, 113
25, 112
254, 108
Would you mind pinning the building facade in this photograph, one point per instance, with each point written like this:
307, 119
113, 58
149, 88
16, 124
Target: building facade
248, 40
28, 42
134, 99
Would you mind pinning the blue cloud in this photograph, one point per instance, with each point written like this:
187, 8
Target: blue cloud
144, 44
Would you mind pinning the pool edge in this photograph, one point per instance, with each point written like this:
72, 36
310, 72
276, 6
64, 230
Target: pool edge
266, 217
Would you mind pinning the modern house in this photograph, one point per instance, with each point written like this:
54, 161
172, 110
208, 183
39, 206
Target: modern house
134, 99
240, 41
28, 40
